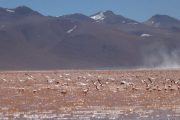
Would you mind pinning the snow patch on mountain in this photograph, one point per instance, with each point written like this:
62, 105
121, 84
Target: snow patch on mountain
10, 11
72, 29
99, 16
146, 35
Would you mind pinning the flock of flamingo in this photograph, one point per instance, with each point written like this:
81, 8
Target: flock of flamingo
149, 84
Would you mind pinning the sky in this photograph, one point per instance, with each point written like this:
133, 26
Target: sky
139, 10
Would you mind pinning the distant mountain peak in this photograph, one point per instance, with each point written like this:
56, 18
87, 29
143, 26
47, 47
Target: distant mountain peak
108, 13
164, 18
98, 16
20, 11
159, 15
163, 21
102, 15
77, 17
24, 10
23, 7
110, 17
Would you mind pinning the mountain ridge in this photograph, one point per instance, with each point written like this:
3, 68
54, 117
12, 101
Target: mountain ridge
26, 9
30, 40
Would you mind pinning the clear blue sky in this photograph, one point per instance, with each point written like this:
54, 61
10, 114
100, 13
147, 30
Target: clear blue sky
135, 9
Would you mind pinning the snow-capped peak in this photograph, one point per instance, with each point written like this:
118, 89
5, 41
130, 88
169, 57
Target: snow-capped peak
100, 16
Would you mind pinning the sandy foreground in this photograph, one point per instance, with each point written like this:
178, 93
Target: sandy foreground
90, 95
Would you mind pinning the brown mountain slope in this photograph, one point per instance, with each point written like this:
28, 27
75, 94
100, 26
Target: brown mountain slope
29, 40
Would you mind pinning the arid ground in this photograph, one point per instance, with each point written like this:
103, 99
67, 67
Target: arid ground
90, 94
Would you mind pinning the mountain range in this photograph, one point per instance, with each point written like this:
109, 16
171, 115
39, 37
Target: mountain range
30, 40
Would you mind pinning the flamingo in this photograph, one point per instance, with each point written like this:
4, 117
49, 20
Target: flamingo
85, 91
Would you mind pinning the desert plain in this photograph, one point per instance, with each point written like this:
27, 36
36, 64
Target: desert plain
90, 94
